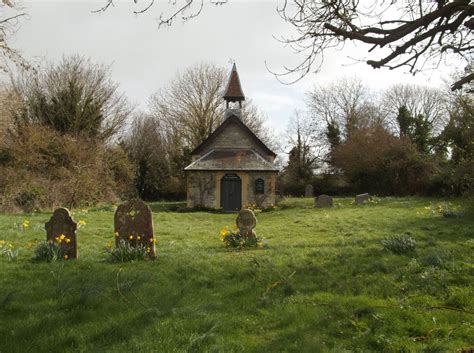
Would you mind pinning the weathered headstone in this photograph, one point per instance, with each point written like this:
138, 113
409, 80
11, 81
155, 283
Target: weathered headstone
309, 191
246, 222
134, 224
61, 229
361, 198
324, 201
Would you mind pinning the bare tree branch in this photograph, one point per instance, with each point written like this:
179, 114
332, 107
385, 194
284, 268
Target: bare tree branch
105, 7
10, 16
466, 79
180, 9
409, 34
145, 9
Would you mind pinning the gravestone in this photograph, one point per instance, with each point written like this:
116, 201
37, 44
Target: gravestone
246, 221
61, 229
309, 191
361, 198
134, 224
324, 201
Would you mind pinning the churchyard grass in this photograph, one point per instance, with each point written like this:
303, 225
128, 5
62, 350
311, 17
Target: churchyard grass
323, 283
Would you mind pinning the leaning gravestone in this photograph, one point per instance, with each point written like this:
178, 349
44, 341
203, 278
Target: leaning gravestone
134, 224
324, 201
361, 198
309, 191
61, 229
246, 221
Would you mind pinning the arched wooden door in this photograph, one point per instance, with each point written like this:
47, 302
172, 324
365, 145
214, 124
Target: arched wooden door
231, 192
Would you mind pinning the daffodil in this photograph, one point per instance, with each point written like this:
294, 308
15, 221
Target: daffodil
138, 237
25, 224
66, 257
130, 237
62, 237
68, 240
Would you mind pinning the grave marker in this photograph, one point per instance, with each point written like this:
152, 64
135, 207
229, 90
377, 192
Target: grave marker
61, 229
361, 198
134, 224
246, 221
309, 191
324, 201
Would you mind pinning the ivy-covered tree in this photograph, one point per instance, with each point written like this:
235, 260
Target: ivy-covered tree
333, 134
418, 129
303, 155
75, 97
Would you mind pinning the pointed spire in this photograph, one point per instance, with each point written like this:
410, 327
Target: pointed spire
233, 92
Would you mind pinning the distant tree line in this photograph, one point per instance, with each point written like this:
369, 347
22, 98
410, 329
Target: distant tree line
68, 136
404, 141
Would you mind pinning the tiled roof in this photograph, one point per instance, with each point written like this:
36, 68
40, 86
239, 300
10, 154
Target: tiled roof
232, 159
234, 91
232, 119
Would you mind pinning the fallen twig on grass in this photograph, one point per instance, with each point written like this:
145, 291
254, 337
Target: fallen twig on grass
277, 283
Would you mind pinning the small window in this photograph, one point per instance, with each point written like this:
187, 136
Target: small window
259, 186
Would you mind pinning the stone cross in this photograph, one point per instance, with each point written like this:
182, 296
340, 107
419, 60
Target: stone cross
324, 201
309, 191
246, 221
361, 198
61, 229
134, 224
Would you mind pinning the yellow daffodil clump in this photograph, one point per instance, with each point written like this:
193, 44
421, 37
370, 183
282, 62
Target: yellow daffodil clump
224, 232
233, 239
26, 224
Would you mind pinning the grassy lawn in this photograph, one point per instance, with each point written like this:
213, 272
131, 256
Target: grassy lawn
322, 284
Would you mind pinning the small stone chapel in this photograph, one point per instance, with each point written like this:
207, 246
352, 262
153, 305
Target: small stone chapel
232, 168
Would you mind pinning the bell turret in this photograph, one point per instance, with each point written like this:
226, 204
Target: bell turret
233, 92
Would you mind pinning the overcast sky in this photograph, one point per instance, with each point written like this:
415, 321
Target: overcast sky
144, 58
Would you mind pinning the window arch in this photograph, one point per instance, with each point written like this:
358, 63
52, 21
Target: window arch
259, 186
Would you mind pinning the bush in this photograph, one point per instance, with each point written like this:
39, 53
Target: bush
399, 244
375, 161
47, 169
126, 252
